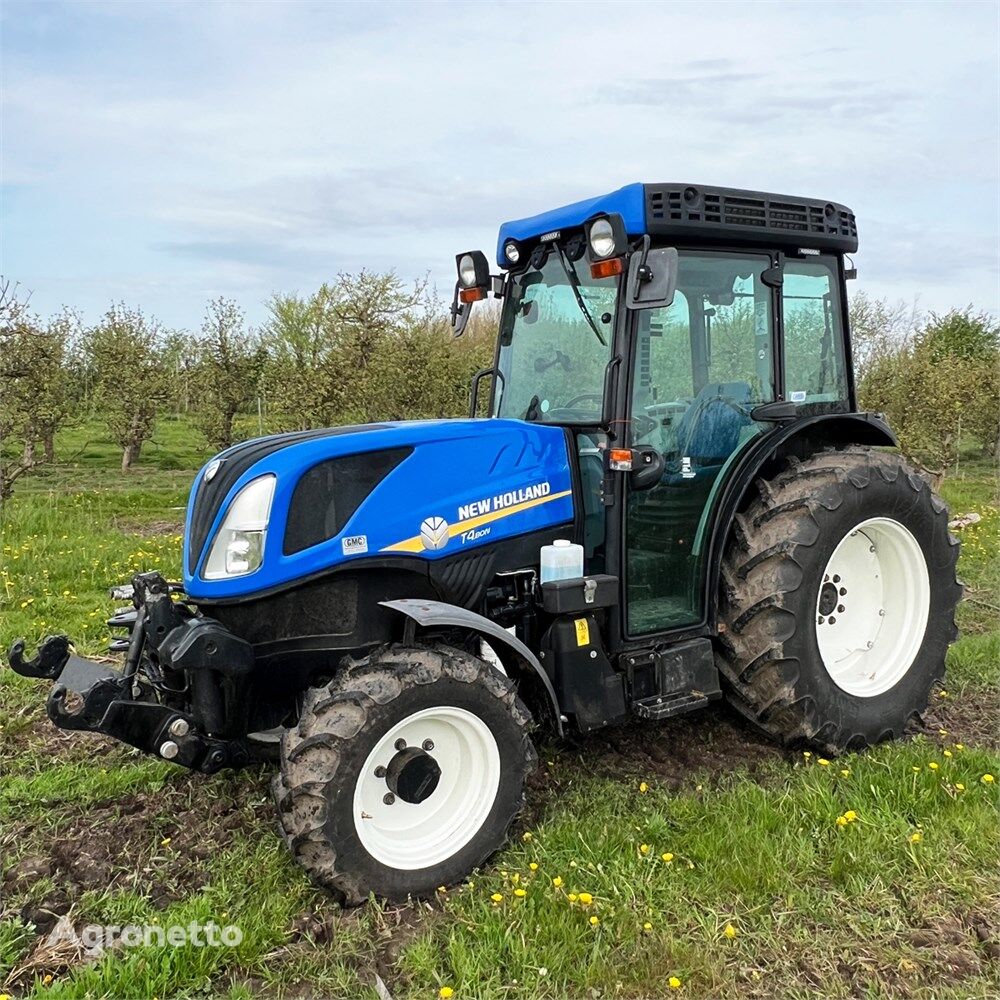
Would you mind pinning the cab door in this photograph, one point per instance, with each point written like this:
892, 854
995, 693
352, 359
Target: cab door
699, 367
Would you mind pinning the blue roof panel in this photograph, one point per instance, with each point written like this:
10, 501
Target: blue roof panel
629, 202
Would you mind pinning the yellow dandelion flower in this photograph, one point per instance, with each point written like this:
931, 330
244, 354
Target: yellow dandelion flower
527, 836
807, 754
933, 765
572, 897
515, 878
594, 920
667, 856
674, 983
644, 848
942, 732
165, 842
520, 893
445, 992
46, 979
850, 815
533, 865
442, 888
647, 926
947, 753
643, 787
959, 746
942, 694
915, 768
557, 881
959, 787
916, 837
585, 898
987, 779
841, 821
730, 931
823, 762
497, 897
845, 772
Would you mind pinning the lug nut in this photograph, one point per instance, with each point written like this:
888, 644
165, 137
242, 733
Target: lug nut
400, 744
428, 745
840, 608
179, 727
168, 750
380, 771
388, 798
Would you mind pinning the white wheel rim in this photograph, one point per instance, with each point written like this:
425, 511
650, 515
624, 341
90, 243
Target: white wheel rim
870, 636
413, 835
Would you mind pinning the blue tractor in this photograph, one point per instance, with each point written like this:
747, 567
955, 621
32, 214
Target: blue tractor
673, 499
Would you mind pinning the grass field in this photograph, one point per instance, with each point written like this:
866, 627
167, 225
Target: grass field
641, 846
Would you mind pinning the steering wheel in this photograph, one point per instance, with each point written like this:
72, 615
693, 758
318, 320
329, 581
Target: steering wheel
597, 397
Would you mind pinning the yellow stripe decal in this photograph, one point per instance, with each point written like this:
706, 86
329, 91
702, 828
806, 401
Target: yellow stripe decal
414, 544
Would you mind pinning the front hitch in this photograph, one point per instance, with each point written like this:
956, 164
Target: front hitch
48, 663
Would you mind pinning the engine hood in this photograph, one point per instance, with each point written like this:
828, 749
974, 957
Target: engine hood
413, 489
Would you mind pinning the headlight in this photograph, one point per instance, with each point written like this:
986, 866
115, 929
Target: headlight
238, 548
602, 238
467, 271
512, 252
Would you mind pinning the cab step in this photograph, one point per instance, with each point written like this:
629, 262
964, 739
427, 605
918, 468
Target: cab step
667, 706
672, 680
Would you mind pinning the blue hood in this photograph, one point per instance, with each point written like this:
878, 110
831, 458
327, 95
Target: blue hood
451, 485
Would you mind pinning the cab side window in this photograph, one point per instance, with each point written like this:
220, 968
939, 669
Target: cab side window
815, 371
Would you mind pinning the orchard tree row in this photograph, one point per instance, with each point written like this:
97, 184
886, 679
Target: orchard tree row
369, 347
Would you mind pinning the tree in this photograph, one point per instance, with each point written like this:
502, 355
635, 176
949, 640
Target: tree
943, 383
227, 371
34, 386
50, 382
132, 380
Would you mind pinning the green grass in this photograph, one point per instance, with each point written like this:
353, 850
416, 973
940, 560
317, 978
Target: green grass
818, 909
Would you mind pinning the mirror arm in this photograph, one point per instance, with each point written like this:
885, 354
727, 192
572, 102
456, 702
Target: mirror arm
607, 414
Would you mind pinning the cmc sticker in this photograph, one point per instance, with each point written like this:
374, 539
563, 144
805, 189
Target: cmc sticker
434, 533
354, 544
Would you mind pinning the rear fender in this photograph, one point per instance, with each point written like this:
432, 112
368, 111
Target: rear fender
799, 439
518, 661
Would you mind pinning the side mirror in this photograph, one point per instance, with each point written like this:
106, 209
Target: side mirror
652, 279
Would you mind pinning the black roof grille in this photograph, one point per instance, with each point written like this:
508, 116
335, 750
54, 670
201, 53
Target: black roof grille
727, 214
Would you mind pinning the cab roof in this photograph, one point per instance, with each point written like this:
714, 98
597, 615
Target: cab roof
697, 213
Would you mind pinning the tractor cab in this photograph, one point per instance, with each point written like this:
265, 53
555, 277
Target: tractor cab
672, 330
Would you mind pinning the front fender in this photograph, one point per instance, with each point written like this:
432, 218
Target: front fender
516, 657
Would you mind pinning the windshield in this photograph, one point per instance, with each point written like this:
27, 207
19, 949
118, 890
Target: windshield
555, 342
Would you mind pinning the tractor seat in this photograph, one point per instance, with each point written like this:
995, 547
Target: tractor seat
709, 431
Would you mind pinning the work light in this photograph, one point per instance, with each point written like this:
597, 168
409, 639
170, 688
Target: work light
602, 238
512, 251
238, 548
473, 269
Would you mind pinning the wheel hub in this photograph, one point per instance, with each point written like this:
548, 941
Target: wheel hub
412, 775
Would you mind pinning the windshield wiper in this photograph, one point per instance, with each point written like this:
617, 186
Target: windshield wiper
574, 283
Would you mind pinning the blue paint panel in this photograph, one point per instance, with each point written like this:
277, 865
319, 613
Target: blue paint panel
493, 464
629, 202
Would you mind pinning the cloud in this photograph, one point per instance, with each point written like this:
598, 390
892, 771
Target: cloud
171, 151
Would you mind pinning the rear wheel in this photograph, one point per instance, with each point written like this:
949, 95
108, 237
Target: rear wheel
404, 772
838, 602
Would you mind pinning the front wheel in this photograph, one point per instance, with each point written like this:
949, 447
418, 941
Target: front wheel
838, 604
404, 773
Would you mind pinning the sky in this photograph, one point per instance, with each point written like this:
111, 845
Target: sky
166, 154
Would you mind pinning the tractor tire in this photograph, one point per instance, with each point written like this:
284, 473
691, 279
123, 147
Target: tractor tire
403, 773
838, 601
